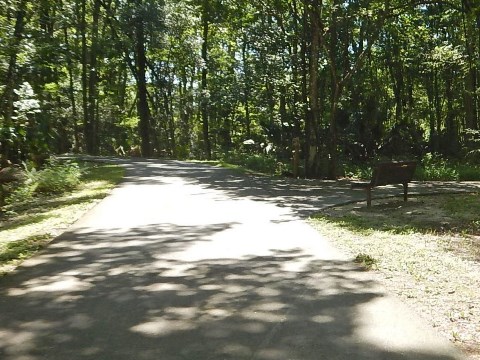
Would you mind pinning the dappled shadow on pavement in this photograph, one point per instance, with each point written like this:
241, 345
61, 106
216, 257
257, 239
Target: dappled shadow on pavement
303, 196
131, 294
189, 261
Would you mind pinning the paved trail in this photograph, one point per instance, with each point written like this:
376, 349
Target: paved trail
187, 261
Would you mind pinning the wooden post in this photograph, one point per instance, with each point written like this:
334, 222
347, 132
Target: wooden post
296, 157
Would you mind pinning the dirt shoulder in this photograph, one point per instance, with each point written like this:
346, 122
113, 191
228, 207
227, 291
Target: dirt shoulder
427, 251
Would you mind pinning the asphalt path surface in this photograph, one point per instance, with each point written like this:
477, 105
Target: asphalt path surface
190, 261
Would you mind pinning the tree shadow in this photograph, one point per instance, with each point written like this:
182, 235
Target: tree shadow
131, 294
303, 196
159, 291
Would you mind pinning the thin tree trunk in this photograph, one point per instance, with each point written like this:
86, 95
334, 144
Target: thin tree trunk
204, 86
246, 95
451, 129
83, 34
142, 104
469, 97
71, 91
10, 81
91, 125
295, 75
313, 117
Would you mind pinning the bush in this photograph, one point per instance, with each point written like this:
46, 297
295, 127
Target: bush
436, 168
468, 172
357, 171
57, 177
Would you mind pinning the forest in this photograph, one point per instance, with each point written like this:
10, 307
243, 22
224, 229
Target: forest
349, 81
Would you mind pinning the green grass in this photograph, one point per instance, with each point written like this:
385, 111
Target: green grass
465, 209
23, 249
429, 169
463, 206
426, 251
29, 226
108, 173
353, 223
443, 213
24, 221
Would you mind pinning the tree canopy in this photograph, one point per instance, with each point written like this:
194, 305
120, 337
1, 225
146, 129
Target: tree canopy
354, 79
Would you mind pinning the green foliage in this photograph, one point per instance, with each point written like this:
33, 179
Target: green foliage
357, 171
57, 177
29, 225
435, 168
22, 249
431, 168
405, 76
465, 207
263, 163
468, 172
22, 193
366, 260
472, 145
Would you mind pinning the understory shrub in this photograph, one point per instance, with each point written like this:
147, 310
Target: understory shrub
468, 172
55, 178
430, 168
435, 168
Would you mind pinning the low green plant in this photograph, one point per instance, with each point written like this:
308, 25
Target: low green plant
57, 177
465, 208
356, 171
435, 168
366, 260
261, 163
22, 249
468, 172
26, 226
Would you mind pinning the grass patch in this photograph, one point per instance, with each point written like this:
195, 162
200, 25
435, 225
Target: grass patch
463, 206
240, 169
427, 251
30, 225
107, 173
422, 214
18, 221
22, 249
351, 222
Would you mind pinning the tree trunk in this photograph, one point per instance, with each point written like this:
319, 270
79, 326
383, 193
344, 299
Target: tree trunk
295, 70
91, 140
204, 85
83, 34
10, 81
142, 103
433, 136
469, 96
312, 125
246, 94
451, 129
71, 91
